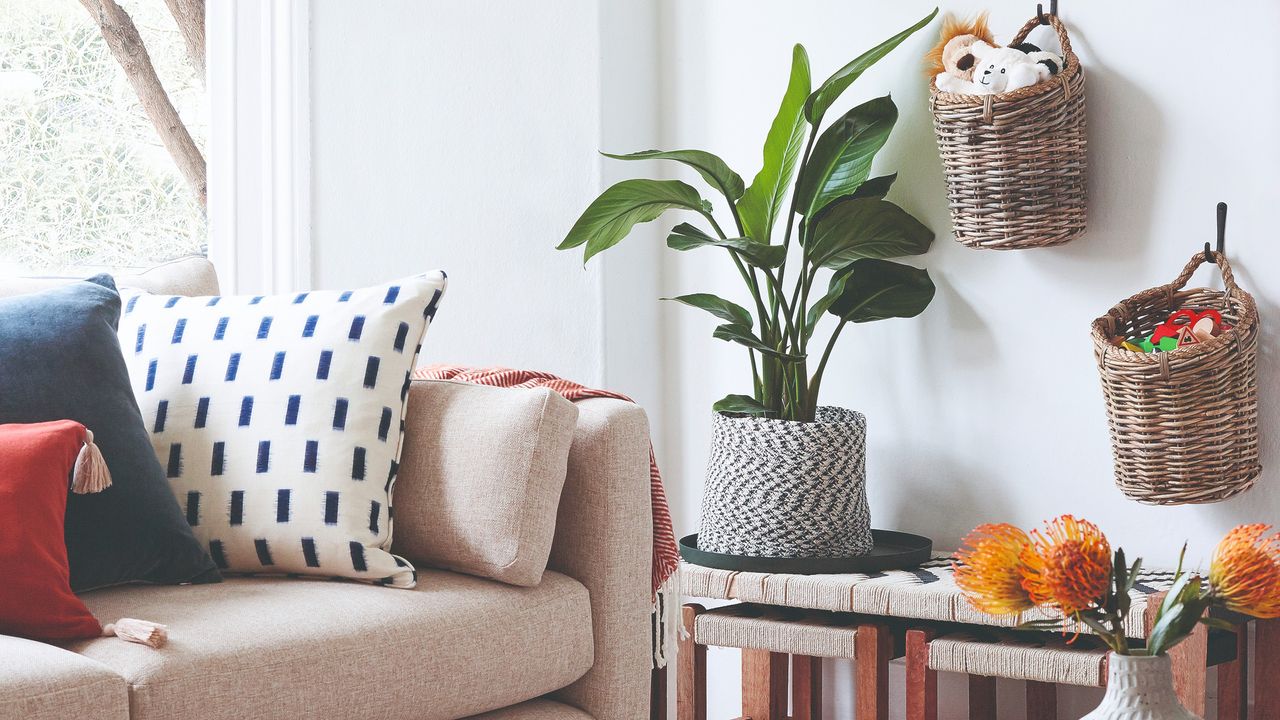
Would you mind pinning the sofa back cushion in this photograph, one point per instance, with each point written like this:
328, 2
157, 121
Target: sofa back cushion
60, 359
480, 478
184, 276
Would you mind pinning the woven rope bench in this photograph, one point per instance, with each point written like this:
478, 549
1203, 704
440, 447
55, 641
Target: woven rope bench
1044, 661
927, 599
773, 638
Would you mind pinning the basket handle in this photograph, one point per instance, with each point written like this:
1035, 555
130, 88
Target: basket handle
1200, 258
1068, 57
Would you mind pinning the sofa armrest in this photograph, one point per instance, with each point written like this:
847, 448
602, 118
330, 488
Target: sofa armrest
604, 539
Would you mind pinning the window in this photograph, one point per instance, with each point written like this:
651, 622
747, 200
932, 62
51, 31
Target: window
84, 178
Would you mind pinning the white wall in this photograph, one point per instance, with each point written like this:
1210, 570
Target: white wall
988, 406
463, 136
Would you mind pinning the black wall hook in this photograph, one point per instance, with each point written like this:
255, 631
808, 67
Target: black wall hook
1222, 234
1053, 10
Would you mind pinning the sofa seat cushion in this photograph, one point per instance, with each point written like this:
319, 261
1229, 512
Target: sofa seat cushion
253, 648
43, 682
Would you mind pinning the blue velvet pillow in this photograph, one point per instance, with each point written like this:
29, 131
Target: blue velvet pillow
60, 359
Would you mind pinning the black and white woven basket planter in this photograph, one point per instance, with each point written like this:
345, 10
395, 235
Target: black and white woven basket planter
777, 488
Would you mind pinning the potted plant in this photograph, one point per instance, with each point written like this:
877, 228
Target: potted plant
1068, 569
786, 476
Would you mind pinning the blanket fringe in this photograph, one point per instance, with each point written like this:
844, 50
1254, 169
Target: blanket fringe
666, 620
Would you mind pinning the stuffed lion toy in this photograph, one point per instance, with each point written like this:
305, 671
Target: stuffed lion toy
967, 61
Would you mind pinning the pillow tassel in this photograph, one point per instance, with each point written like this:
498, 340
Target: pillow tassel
91, 474
138, 631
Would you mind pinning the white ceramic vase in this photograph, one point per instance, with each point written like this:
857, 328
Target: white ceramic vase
1140, 688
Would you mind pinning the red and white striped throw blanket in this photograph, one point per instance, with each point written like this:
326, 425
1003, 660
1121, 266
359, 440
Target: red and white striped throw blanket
665, 555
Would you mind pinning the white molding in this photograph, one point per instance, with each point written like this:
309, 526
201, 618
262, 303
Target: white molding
260, 144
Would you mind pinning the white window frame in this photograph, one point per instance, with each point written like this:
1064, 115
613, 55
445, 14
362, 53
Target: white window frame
259, 151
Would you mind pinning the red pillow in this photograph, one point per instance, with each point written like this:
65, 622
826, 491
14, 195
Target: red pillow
35, 594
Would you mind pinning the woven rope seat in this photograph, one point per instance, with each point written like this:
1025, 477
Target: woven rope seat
1038, 657
781, 630
927, 592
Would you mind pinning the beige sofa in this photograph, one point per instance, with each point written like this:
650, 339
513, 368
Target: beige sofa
575, 645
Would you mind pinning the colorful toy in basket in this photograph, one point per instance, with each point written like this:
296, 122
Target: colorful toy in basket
966, 60
1184, 327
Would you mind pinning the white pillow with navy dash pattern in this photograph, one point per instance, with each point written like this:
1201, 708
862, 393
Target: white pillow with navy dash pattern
279, 419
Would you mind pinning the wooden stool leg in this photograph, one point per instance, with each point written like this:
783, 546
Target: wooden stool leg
691, 669
1266, 670
922, 683
806, 688
1042, 701
658, 694
872, 650
982, 697
1233, 680
764, 685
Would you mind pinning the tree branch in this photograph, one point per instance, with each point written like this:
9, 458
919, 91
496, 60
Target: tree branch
189, 14
126, 45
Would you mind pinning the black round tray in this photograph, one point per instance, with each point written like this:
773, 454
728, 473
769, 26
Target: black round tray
893, 551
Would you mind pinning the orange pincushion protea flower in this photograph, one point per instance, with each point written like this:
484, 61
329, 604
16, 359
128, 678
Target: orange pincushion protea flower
1245, 574
989, 570
1067, 565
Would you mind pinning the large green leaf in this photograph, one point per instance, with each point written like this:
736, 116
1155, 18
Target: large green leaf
876, 187
761, 203
817, 104
834, 290
1183, 607
710, 167
687, 237
718, 306
841, 159
740, 404
879, 289
610, 217
742, 335
854, 227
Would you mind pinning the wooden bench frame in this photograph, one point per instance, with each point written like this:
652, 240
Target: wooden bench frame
1190, 660
766, 676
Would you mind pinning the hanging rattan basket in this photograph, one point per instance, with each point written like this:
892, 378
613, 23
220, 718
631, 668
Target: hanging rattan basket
1184, 423
1015, 162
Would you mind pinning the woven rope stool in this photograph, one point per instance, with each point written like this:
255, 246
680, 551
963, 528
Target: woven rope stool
1043, 660
768, 637
928, 596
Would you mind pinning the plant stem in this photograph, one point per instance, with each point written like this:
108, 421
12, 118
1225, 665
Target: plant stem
791, 221
757, 389
804, 302
816, 383
791, 326
1117, 628
791, 213
768, 380
750, 279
